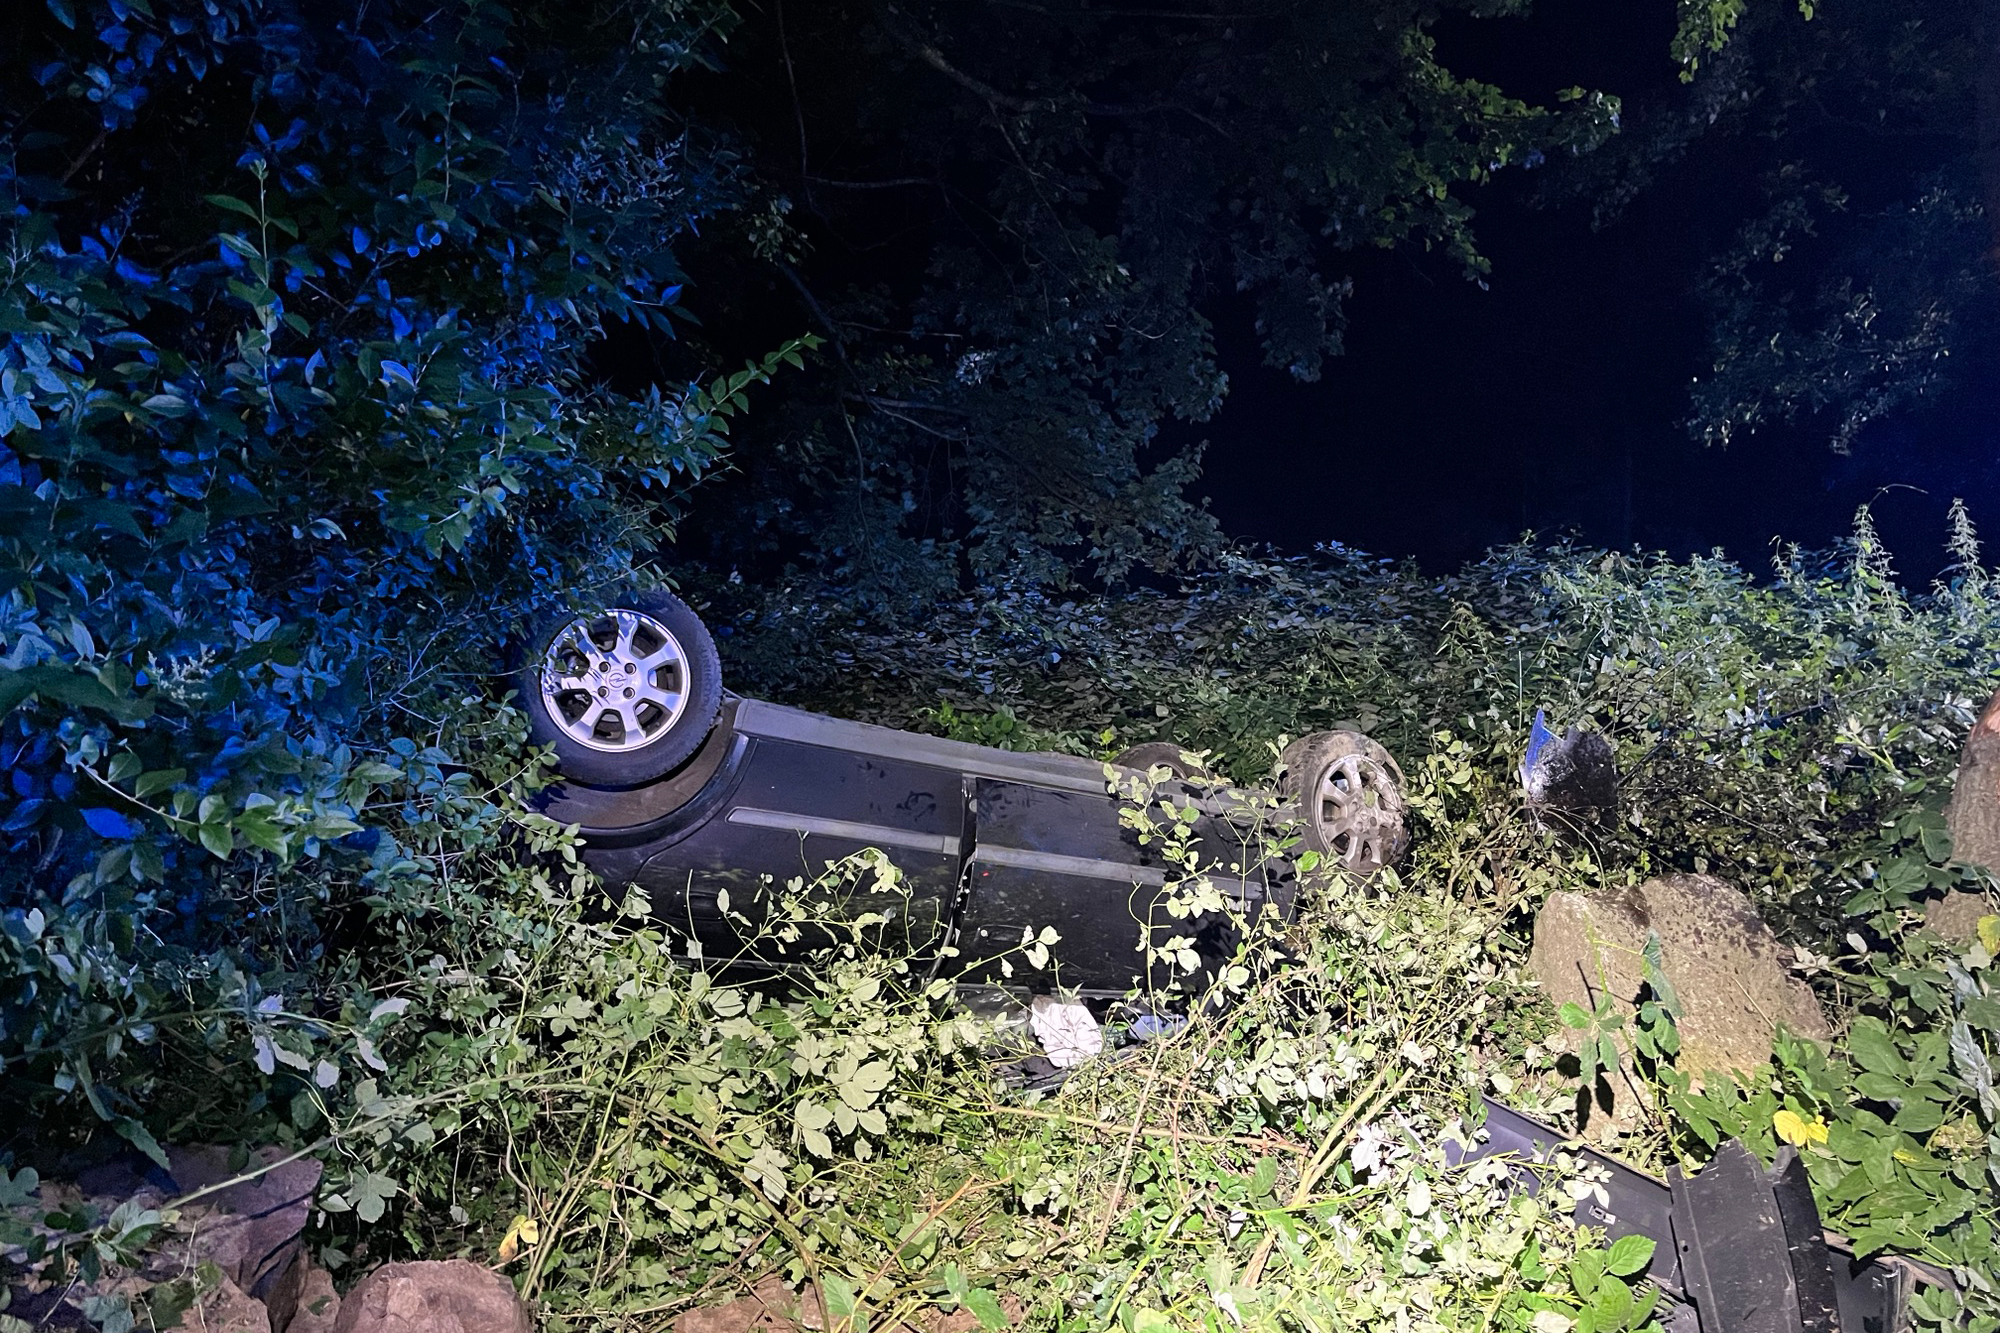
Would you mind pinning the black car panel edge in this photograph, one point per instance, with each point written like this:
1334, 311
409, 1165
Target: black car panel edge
1868, 1295
616, 817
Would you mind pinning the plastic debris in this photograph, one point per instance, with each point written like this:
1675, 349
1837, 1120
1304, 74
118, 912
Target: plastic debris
1148, 1026
1576, 771
1068, 1032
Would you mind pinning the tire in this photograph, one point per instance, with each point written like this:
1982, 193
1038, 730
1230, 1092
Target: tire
1146, 754
619, 720
1350, 794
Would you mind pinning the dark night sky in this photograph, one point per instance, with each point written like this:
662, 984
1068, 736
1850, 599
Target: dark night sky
1461, 417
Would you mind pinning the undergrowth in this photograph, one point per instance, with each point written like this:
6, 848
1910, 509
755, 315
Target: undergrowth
499, 1057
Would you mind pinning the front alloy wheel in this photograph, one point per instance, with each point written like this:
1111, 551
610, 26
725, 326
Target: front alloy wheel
615, 682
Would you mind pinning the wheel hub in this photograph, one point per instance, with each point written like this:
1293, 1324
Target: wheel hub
1358, 813
616, 681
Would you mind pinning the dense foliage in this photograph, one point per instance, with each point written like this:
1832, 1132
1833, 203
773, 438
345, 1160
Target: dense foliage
1760, 723
303, 413
295, 426
1793, 734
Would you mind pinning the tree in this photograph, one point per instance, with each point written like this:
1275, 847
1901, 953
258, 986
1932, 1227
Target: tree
1861, 276
1013, 221
295, 422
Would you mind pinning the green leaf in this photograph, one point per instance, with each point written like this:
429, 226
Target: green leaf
1629, 1255
1573, 1015
1881, 1087
1653, 955
141, 1138
840, 1306
1586, 1270
240, 245
57, 683
862, 1086
234, 205
216, 838
1613, 1306
1871, 1047
371, 1194
169, 1302
985, 1307
18, 1189
158, 780
262, 833
1919, 1116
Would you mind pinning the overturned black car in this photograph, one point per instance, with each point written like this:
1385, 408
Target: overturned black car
698, 799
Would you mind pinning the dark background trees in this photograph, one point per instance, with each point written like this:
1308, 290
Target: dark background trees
1015, 223
1567, 397
1769, 262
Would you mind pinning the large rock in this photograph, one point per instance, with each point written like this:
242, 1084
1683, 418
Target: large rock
227, 1309
1723, 962
249, 1228
318, 1305
1956, 916
433, 1296
1974, 813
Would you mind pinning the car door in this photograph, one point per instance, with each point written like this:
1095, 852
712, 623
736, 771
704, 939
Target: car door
805, 793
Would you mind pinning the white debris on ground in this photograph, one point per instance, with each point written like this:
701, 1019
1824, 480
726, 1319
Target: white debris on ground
1067, 1031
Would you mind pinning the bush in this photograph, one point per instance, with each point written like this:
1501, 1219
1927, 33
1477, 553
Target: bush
627, 1134
290, 443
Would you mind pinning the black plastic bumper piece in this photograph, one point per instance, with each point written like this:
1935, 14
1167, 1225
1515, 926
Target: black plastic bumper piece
1738, 1249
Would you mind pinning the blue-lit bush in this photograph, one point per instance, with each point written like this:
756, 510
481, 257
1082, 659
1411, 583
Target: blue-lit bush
295, 427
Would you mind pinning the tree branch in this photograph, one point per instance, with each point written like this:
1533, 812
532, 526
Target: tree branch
986, 92
897, 183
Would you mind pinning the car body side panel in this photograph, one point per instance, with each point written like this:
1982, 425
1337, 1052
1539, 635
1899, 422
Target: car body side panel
989, 843
1060, 772
790, 811
1057, 858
